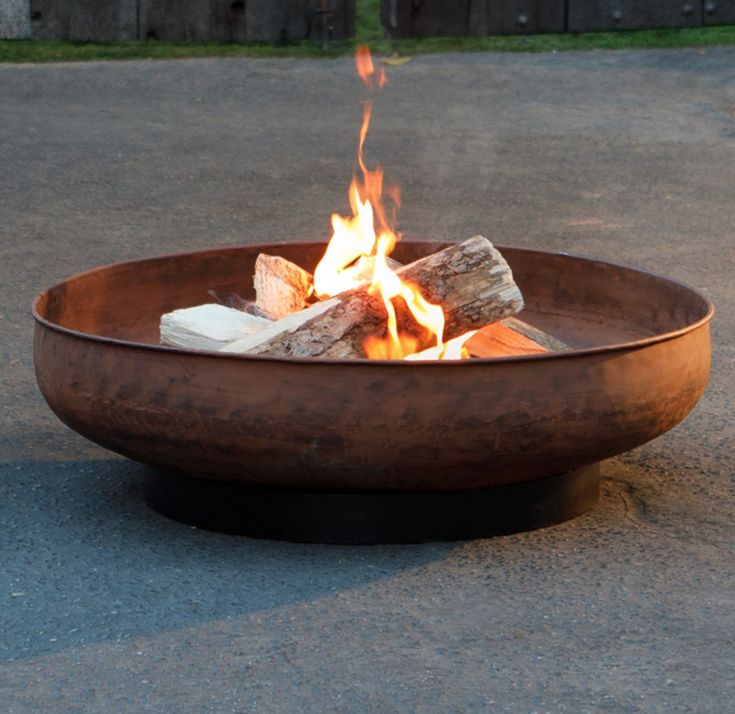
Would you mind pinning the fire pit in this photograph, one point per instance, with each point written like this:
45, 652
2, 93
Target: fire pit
372, 451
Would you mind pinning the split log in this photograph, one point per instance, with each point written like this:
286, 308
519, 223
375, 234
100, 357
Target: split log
539, 337
281, 287
207, 327
470, 280
512, 336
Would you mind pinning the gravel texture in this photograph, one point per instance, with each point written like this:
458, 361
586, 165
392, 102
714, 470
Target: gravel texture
107, 606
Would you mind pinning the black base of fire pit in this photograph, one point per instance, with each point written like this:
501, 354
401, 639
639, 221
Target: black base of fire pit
371, 518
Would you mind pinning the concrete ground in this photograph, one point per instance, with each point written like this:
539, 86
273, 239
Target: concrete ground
107, 606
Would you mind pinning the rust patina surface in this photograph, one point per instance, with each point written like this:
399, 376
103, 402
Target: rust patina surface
640, 363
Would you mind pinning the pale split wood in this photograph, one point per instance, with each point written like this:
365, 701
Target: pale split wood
290, 323
207, 327
281, 287
511, 337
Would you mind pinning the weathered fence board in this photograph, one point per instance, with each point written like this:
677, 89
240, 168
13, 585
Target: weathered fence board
515, 17
333, 20
247, 20
84, 20
719, 12
426, 18
15, 19
190, 20
594, 15
432, 18
339, 18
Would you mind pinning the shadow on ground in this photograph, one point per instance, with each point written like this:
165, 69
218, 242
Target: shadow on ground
86, 560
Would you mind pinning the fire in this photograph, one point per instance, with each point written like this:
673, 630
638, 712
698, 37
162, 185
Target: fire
358, 249
366, 69
452, 349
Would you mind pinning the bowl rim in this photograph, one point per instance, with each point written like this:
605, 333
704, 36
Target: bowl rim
361, 361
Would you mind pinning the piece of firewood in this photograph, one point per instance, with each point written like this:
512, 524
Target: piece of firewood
281, 287
512, 336
539, 337
471, 281
207, 327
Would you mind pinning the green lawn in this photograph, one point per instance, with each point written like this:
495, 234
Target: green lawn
370, 32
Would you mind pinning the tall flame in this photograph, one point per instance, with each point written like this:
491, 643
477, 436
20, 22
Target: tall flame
360, 244
366, 69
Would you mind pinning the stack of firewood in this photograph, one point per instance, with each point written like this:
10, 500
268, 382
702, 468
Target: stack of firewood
471, 281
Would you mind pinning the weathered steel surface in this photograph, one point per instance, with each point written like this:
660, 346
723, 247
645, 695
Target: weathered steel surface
641, 362
593, 15
15, 19
84, 20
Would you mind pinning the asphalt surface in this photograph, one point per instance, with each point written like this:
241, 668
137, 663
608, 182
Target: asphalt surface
107, 606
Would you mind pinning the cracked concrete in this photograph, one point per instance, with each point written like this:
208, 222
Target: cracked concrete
107, 606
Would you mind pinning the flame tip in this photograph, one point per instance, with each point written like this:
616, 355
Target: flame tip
358, 250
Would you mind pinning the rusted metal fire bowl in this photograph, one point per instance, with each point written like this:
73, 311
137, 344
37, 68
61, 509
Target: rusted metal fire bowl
509, 425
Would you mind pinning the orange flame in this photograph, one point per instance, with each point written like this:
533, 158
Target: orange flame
366, 69
451, 350
356, 254
364, 63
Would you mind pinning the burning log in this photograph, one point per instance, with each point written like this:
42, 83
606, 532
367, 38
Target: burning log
207, 327
282, 287
510, 336
471, 281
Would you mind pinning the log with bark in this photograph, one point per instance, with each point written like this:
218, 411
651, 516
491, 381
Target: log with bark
510, 336
471, 281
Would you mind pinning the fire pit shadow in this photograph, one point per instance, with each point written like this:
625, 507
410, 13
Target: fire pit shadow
640, 362
89, 562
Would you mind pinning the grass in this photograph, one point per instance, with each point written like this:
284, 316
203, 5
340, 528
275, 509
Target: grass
369, 31
46, 51
688, 37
